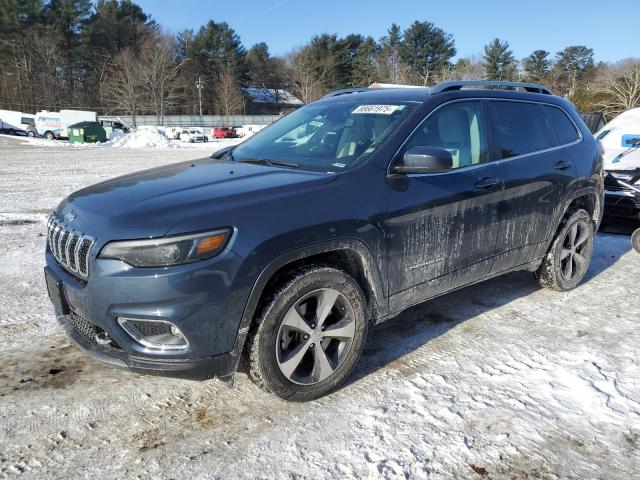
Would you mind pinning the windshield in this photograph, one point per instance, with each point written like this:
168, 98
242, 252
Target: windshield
329, 137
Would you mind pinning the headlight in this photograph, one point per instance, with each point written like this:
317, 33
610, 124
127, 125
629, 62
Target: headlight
167, 251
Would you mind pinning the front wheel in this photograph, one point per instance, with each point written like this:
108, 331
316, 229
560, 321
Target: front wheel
569, 256
31, 134
309, 336
49, 135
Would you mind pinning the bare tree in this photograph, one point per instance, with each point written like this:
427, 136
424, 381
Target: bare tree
122, 85
160, 72
620, 83
229, 99
307, 74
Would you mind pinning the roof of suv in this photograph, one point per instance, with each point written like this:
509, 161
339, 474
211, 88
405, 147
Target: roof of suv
400, 93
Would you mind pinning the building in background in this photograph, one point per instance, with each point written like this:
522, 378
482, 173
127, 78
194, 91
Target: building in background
269, 101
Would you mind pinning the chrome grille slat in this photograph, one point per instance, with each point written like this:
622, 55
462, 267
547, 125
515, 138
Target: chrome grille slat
71, 249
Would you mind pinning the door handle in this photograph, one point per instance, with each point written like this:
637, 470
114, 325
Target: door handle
486, 183
562, 165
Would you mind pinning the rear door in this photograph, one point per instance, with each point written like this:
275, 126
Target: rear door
537, 171
441, 227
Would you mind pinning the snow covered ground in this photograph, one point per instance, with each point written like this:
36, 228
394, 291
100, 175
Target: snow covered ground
501, 381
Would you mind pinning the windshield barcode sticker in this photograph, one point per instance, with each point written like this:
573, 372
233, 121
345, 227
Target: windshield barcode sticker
377, 109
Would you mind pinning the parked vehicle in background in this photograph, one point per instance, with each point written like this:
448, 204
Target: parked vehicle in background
620, 140
173, 133
15, 123
247, 130
282, 252
224, 132
47, 125
52, 125
110, 126
193, 134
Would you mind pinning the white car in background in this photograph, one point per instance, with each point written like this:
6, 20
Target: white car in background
173, 133
193, 134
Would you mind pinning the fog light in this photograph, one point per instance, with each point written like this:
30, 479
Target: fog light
154, 334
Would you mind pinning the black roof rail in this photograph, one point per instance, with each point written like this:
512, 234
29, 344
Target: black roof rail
344, 91
457, 85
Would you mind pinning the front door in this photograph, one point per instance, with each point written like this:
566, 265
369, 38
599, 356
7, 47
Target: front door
441, 227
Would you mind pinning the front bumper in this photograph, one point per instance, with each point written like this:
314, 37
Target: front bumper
621, 204
201, 299
219, 366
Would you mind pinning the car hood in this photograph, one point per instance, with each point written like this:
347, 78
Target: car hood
155, 202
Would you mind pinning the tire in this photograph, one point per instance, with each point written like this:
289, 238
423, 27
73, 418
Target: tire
31, 134
569, 256
12, 132
49, 135
290, 340
635, 240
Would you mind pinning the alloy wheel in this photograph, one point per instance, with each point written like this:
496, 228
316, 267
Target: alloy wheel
315, 336
572, 261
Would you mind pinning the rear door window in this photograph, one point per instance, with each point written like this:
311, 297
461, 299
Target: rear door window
519, 128
561, 125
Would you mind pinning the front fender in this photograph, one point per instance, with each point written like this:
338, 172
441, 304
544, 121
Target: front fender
368, 263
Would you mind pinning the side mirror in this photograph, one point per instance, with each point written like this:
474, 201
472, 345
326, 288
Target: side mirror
425, 160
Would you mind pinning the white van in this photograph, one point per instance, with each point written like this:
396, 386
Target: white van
52, 125
15, 123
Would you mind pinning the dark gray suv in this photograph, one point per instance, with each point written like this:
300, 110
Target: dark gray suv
282, 250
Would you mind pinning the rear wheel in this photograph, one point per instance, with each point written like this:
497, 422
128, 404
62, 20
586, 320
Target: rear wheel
569, 256
31, 133
49, 135
635, 240
310, 335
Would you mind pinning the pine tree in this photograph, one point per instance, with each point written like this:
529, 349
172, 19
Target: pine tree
427, 50
574, 63
537, 65
363, 66
499, 61
390, 54
214, 51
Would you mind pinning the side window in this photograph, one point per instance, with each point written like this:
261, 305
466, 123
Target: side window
459, 128
564, 128
519, 128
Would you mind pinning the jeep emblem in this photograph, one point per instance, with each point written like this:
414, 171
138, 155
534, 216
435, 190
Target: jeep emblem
70, 216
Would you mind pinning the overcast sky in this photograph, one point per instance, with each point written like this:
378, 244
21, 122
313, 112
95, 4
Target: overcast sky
611, 28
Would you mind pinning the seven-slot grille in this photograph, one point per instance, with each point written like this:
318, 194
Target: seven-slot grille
70, 248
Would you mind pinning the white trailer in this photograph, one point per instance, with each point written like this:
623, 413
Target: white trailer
13, 122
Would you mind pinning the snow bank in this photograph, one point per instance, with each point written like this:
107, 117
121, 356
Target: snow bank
144, 138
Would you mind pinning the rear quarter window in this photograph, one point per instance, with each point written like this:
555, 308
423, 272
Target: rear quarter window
519, 128
563, 128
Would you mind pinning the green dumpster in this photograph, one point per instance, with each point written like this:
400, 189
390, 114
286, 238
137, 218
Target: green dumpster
86, 132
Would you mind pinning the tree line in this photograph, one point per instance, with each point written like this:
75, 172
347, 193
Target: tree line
112, 57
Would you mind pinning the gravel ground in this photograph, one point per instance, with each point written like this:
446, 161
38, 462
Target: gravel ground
501, 380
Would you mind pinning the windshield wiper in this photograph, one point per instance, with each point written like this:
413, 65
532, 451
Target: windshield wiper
271, 163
